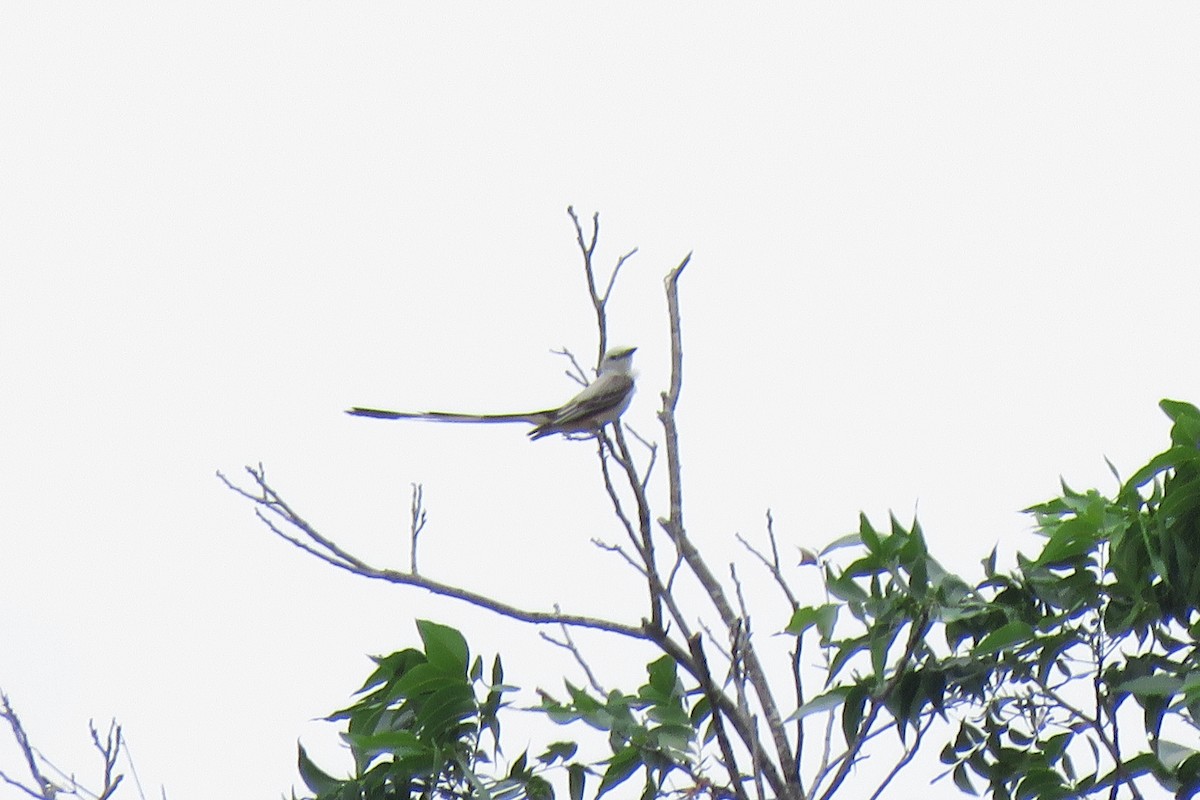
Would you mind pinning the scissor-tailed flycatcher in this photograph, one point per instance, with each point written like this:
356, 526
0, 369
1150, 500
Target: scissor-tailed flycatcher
600, 403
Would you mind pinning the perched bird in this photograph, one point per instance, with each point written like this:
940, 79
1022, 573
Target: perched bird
601, 402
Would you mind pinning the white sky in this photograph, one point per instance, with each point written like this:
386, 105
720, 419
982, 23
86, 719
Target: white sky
944, 254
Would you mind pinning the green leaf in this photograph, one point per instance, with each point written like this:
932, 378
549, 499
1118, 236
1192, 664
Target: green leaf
881, 638
824, 702
578, 777
623, 763
557, 751
1004, 637
823, 617
1172, 754
1074, 537
852, 713
849, 540
662, 675
1175, 409
962, 780
425, 679
497, 671
1041, 782
392, 667
870, 537
445, 709
401, 744
844, 588
1168, 459
827, 621
1152, 685
481, 791
313, 776
1186, 430
847, 649
989, 563
538, 788
445, 647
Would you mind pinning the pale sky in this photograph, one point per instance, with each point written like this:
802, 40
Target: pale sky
945, 253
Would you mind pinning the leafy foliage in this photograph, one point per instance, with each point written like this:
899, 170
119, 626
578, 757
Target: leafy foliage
1033, 668
1076, 674
417, 728
655, 729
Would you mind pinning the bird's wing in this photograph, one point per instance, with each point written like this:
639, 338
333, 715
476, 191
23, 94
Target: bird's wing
602, 400
532, 418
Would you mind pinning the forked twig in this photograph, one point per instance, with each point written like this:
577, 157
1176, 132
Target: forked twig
417, 517
274, 512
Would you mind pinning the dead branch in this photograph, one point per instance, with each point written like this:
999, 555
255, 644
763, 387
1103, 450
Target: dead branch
772, 564
674, 527
272, 509
568, 644
44, 788
416, 523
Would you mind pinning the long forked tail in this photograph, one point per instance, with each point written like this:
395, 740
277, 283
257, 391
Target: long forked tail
533, 418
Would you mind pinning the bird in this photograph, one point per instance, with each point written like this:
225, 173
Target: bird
600, 403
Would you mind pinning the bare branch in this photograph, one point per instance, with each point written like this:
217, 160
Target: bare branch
109, 749
576, 373
916, 634
13, 782
137, 781
1096, 726
329, 552
772, 564
723, 649
416, 523
588, 249
652, 447
604, 450
904, 760
613, 278
695, 644
798, 682
45, 789
569, 644
620, 551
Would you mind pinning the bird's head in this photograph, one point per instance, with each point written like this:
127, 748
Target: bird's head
617, 359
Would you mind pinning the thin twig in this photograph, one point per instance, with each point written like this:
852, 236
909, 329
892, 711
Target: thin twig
603, 451
916, 635
904, 760
735, 779
721, 647
620, 551
650, 446
110, 749
612, 279
45, 789
772, 564
576, 372
568, 644
416, 523
588, 249
1097, 727
329, 552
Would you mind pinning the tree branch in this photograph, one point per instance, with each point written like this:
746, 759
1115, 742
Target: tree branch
270, 503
